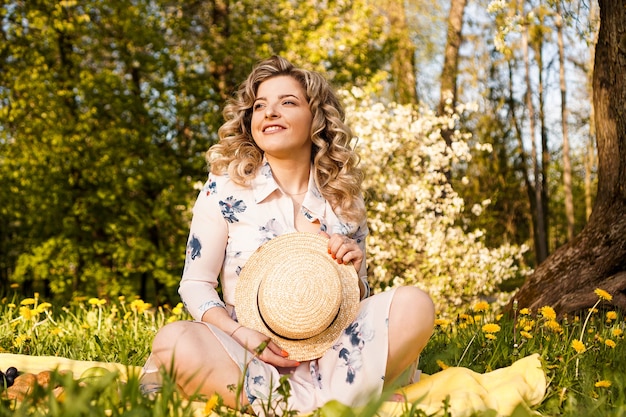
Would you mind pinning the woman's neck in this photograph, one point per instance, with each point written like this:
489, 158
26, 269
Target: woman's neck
291, 176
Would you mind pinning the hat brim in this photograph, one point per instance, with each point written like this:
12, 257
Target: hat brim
271, 257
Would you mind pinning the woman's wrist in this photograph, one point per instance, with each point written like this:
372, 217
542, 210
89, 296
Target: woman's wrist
232, 332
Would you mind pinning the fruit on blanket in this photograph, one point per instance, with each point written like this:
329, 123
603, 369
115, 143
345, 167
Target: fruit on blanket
334, 408
26, 382
104, 379
43, 378
93, 372
22, 385
7, 378
11, 372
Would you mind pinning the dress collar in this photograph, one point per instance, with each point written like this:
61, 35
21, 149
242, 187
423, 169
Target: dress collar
264, 184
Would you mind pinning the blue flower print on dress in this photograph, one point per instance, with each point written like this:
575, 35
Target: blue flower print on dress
194, 250
266, 170
209, 187
314, 370
211, 304
230, 207
357, 335
194, 247
270, 230
257, 386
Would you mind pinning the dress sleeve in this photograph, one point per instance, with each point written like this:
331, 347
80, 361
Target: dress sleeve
360, 236
206, 246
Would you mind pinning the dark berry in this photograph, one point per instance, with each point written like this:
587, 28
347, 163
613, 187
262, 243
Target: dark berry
12, 372
9, 380
3, 380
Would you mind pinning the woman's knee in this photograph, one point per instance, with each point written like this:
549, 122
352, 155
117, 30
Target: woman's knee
179, 340
169, 334
413, 308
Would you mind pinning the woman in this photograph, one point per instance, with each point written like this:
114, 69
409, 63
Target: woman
283, 164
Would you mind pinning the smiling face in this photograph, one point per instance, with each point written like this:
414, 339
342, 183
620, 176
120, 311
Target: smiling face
281, 119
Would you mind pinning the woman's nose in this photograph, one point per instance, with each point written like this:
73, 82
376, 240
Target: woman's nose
270, 112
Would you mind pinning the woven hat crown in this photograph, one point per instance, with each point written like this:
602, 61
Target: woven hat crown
300, 299
292, 291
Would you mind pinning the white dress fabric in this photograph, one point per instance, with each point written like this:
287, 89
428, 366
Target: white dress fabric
351, 372
229, 223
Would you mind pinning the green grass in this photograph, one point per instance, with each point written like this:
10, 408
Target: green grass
584, 356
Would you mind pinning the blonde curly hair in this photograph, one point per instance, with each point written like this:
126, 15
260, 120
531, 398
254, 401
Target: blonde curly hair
334, 161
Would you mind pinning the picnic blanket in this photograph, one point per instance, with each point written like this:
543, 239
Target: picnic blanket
466, 392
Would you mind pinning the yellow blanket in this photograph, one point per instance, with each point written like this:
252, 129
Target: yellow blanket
466, 392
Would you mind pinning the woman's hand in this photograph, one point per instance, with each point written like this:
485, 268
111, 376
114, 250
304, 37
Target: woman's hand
345, 250
262, 347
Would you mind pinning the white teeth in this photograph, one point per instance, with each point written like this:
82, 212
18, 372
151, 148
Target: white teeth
272, 128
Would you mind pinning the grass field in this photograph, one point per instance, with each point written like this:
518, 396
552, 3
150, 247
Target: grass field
584, 356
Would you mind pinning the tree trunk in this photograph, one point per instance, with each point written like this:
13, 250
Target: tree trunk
539, 227
448, 91
596, 258
403, 61
567, 163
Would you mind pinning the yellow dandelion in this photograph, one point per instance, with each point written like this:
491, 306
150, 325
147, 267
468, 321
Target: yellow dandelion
15, 286
603, 295
19, 341
210, 404
11, 306
499, 316
548, 313
490, 336
85, 326
140, 306
178, 310
42, 307
127, 315
28, 302
481, 306
578, 346
491, 328
611, 315
554, 326
26, 312
593, 310
442, 364
610, 343
603, 384
56, 331
526, 335
97, 301
462, 325
525, 311
617, 332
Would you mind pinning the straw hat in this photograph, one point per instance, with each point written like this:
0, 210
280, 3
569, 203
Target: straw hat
292, 291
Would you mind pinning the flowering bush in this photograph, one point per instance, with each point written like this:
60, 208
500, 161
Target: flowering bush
419, 234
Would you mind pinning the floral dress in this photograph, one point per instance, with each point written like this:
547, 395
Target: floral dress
229, 223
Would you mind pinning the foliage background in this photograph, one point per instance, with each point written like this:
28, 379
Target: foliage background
107, 109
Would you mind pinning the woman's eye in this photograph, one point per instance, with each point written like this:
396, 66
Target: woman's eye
257, 106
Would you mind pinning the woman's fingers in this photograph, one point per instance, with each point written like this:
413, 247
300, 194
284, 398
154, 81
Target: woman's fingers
276, 356
345, 250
